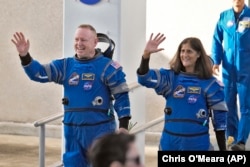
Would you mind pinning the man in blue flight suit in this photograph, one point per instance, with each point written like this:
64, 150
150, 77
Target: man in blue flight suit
90, 81
231, 47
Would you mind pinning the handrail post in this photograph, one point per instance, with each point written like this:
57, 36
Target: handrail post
42, 146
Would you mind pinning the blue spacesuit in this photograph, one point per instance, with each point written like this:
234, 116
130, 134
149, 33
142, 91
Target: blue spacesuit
188, 102
231, 47
89, 86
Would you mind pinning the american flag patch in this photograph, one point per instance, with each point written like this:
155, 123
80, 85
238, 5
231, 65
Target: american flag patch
115, 64
219, 82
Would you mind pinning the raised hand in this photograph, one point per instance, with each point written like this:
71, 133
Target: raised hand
152, 44
22, 45
216, 70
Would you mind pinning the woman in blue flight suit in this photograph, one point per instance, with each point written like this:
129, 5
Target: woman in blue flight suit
190, 91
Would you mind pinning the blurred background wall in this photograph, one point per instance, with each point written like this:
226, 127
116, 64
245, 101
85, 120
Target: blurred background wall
21, 100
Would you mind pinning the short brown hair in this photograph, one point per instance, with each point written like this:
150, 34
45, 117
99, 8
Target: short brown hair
109, 148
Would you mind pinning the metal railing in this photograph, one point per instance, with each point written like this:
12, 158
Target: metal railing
147, 125
42, 124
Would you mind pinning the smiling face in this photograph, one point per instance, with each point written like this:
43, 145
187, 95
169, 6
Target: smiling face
191, 57
188, 57
85, 43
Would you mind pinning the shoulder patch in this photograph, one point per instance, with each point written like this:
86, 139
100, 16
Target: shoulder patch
74, 79
219, 82
115, 64
88, 76
194, 90
179, 91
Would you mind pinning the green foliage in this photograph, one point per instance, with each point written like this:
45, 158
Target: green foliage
131, 125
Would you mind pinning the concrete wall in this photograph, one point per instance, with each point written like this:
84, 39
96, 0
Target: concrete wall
21, 100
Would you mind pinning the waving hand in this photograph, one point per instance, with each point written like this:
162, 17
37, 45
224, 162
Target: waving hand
22, 45
152, 44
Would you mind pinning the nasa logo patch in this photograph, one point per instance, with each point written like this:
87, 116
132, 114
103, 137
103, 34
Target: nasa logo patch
90, 2
192, 99
87, 86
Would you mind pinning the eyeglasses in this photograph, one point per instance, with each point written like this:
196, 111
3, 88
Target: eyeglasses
136, 160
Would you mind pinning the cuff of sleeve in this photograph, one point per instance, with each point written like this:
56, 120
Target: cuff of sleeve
25, 60
123, 122
144, 66
221, 140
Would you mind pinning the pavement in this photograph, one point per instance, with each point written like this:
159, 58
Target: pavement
23, 151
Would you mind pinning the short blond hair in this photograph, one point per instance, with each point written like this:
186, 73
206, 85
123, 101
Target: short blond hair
88, 26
